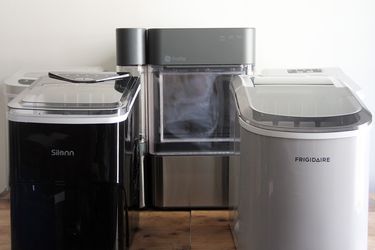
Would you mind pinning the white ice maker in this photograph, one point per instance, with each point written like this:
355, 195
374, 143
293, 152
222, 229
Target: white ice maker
304, 164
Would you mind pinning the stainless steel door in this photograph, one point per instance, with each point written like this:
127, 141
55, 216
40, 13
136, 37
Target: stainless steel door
190, 181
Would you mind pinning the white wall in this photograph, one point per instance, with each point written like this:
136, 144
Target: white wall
290, 33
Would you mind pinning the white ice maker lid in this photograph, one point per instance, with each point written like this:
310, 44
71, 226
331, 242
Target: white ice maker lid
302, 101
313, 104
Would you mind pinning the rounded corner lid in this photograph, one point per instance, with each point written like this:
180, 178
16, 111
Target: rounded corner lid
48, 93
304, 108
303, 101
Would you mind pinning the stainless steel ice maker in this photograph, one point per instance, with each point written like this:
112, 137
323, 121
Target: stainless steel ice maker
190, 112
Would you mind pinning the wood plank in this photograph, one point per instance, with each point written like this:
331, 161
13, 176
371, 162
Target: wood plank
210, 231
196, 230
4, 225
160, 230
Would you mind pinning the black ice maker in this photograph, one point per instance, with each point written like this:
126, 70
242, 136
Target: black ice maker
71, 163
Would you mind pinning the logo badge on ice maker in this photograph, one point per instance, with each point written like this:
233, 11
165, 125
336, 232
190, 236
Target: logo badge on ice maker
58, 152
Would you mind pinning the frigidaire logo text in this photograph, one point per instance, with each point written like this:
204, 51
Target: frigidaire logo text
58, 152
312, 159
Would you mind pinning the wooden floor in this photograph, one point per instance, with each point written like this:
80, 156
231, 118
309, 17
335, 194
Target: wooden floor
196, 230
4, 225
205, 230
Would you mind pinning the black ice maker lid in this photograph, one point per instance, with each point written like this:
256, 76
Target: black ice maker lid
201, 46
51, 100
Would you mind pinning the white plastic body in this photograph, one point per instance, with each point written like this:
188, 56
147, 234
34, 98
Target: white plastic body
286, 203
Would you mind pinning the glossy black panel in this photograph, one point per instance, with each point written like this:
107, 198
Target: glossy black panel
64, 153
131, 172
57, 217
73, 185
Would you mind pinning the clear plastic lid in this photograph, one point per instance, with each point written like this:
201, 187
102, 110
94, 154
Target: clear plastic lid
302, 101
62, 97
299, 106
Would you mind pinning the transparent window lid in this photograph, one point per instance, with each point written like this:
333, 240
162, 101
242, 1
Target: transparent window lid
303, 101
56, 94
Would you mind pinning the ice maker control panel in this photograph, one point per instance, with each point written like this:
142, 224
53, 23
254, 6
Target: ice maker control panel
295, 71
